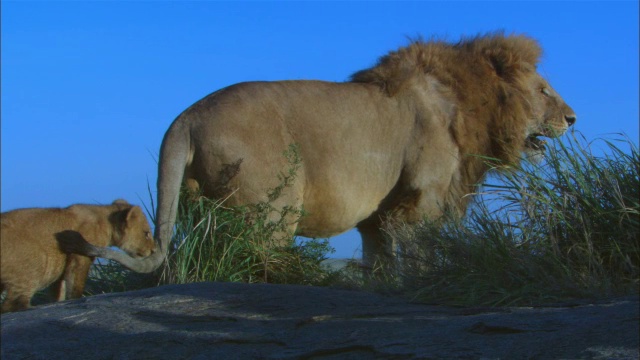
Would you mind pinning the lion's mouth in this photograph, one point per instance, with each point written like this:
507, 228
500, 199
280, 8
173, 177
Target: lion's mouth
534, 143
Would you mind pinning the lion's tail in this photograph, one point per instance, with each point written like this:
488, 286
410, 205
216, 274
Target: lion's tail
174, 156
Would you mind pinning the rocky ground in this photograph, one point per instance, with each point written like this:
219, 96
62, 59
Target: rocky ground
240, 321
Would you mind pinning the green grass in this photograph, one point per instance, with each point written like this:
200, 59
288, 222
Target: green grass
241, 244
565, 228
214, 242
244, 244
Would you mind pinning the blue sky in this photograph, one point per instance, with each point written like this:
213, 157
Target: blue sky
89, 88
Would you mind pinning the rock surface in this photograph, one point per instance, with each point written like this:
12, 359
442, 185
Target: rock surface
240, 321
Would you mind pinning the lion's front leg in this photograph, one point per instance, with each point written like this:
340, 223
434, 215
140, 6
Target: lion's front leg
376, 248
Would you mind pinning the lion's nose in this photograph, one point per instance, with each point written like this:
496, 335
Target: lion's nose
570, 119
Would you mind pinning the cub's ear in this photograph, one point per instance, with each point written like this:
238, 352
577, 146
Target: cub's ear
120, 202
133, 214
121, 217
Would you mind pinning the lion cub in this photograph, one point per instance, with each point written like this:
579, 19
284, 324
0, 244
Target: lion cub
30, 258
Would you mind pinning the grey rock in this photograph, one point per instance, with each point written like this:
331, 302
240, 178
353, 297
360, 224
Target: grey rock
260, 321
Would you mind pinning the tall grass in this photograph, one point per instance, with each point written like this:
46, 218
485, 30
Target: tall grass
250, 244
240, 244
215, 242
565, 228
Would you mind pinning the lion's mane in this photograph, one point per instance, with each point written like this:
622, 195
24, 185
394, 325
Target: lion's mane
491, 98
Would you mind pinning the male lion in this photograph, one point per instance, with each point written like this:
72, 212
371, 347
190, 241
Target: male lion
31, 259
402, 140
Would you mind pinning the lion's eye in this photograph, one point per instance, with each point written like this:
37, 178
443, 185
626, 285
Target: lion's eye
545, 91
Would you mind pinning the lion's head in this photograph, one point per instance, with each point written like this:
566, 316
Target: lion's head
504, 104
551, 116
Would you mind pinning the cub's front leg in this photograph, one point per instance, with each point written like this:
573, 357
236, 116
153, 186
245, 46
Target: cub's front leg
58, 289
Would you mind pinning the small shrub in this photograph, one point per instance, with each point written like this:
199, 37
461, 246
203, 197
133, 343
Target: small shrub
108, 276
247, 243
213, 242
241, 244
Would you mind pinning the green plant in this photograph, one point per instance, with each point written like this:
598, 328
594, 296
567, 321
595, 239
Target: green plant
247, 243
567, 227
214, 242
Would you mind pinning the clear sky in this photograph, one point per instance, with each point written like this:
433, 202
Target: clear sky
89, 88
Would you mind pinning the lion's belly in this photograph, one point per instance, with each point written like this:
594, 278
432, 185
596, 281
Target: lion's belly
337, 203
330, 221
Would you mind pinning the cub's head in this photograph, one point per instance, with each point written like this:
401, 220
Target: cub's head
550, 116
132, 231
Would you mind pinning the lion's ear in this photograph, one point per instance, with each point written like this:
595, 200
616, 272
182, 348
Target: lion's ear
509, 56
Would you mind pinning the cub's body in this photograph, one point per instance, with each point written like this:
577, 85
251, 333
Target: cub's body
31, 260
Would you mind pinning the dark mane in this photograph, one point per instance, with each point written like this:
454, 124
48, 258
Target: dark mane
487, 77
472, 58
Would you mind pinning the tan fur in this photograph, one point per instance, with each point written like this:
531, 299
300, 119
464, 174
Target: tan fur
403, 139
30, 259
